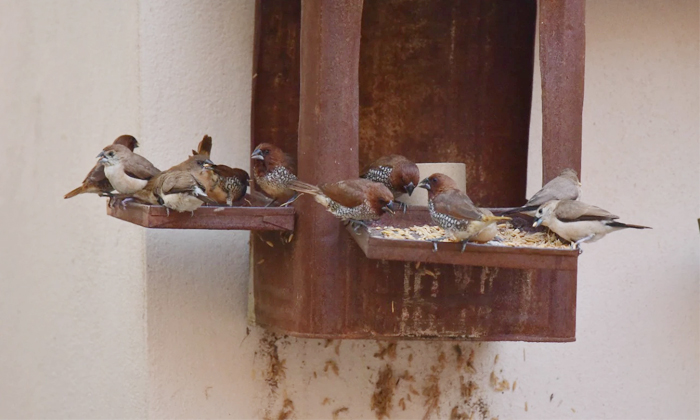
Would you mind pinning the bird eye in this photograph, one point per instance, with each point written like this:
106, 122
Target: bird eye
266, 152
110, 154
432, 180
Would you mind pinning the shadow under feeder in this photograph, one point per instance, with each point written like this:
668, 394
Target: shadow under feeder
434, 80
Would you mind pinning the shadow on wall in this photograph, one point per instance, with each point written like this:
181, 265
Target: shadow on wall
360, 378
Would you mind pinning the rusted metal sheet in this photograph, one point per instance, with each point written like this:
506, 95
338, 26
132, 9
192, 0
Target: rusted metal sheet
450, 253
207, 217
562, 57
466, 96
451, 81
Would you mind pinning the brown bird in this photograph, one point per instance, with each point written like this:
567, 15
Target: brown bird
125, 170
454, 211
564, 187
229, 184
174, 189
195, 165
354, 200
272, 171
395, 172
579, 222
96, 182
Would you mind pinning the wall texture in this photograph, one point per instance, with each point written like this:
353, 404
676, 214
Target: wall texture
99, 318
72, 333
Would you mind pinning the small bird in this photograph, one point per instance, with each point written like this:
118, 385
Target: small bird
96, 181
395, 172
125, 170
195, 165
174, 189
354, 200
578, 222
229, 184
564, 187
272, 172
454, 211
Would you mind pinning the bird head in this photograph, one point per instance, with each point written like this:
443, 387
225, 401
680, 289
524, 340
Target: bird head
113, 154
407, 177
381, 200
437, 183
571, 174
270, 156
545, 213
128, 141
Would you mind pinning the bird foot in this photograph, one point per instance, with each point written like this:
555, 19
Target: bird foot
291, 200
357, 224
403, 206
167, 212
435, 242
123, 201
191, 213
464, 245
270, 203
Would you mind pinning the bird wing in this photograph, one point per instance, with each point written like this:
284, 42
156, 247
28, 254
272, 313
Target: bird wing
576, 211
178, 182
456, 204
389, 160
139, 167
560, 188
350, 193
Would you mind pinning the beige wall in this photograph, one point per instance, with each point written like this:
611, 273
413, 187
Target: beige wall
99, 318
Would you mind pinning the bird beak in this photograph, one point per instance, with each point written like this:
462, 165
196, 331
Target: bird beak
257, 154
136, 144
409, 188
101, 155
208, 165
424, 184
537, 223
388, 208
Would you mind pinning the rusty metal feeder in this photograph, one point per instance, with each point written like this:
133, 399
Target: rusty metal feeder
338, 83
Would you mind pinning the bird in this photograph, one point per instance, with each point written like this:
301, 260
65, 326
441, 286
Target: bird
566, 186
174, 189
395, 172
125, 170
230, 184
454, 211
356, 201
96, 181
578, 222
195, 165
272, 172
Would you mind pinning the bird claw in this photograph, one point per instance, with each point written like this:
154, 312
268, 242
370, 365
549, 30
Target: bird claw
435, 247
357, 224
270, 203
167, 212
403, 206
464, 245
291, 200
123, 201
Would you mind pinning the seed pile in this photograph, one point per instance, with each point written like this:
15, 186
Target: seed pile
508, 235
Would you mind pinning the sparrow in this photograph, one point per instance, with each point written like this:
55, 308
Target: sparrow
96, 181
174, 189
125, 170
564, 187
354, 200
395, 172
454, 211
578, 222
272, 172
230, 184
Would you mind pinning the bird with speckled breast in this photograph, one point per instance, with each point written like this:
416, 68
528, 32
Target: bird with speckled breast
272, 172
398, 174
354, 200
230, 184
454, 211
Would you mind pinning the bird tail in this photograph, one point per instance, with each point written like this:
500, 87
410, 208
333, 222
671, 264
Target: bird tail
489, 218
79, 190
303, 187
516, 210
204, 147
625, 225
